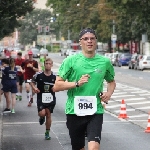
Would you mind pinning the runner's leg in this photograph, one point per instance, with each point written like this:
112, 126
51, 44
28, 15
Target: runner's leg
13, 97
27, 86
94, 129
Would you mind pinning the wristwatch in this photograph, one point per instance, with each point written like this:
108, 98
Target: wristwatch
77, 84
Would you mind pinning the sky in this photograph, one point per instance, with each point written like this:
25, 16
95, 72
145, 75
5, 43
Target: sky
41, 4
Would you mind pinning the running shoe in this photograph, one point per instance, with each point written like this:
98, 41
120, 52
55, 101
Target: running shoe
17, 97
6, 110
13, 111
20, 98
47, 137
31, 100
29, 104
41, 120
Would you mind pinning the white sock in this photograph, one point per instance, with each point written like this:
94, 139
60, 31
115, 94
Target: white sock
28, 96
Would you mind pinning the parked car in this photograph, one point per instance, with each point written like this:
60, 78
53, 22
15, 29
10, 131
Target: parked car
108, 55
67, 51
113, 58
136, 65
132, 61
43, 52
36, 52
72, 52
144, 63
63, 52
116, 63
124, 59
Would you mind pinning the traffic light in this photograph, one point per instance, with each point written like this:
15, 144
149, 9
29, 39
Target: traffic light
47, 29
39, 29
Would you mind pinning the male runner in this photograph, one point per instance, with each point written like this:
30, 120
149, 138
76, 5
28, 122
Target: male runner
85, 73
30, 67
20, 79
46, 99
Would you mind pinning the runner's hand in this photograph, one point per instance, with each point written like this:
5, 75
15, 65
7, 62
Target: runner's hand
83, 79
36, 90
105, 97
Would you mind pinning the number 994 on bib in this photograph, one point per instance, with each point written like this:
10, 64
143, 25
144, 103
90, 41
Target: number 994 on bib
85, 105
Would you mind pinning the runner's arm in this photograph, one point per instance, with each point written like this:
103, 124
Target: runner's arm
35, 67
61, 85
110, 89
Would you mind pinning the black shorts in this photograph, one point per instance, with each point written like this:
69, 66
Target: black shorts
77, 125
41, 106
20, 79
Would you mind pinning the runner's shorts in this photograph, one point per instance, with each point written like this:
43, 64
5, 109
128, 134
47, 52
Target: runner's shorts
77, 126
10, 86
20, 79
41, 106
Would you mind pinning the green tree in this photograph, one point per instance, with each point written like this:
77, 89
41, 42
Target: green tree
10, 12
31, 22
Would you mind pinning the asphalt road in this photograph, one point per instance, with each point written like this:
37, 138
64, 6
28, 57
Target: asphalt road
21, 131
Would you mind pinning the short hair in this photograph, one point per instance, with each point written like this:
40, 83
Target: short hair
19, 53
5, 61
48, 59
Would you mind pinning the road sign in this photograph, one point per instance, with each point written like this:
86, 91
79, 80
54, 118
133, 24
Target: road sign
113, 37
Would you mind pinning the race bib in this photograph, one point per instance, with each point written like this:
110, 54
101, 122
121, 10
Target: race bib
47, 98
85, 105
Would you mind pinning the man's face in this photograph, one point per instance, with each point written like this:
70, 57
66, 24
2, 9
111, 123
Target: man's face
48, 65
88, 43
19, 56
30, 56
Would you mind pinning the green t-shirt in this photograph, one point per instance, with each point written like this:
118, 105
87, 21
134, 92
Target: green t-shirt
99, 68
42, 59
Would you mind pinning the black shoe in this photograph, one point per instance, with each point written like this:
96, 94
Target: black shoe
41, 120
31, 100
6, 110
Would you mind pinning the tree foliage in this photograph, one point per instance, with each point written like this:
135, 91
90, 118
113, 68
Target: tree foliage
131, 17
10, 12
31, 22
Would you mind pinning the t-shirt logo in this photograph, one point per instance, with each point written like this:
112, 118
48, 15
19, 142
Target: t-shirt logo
46, 88
97, 70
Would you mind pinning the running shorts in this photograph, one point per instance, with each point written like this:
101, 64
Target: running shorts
78, 125
41, 106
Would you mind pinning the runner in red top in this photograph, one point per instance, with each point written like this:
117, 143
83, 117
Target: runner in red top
19, 78
30, 67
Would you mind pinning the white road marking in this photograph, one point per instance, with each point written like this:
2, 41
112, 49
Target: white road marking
131, 99
146, 107
147, 102
121, 96
130, 89
144, 94
140, 92
119, 93
136, 116
117, 111
114, 106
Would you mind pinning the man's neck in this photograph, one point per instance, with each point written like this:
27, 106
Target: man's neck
47, 72
88, 55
